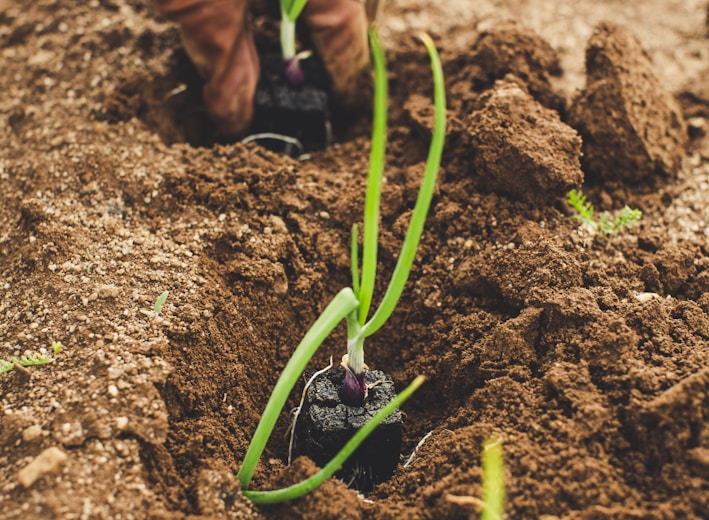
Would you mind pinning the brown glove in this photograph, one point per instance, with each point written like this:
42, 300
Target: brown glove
338, 29
217, 37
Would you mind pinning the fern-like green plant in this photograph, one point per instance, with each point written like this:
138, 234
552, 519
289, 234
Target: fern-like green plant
25, 361
605, 225
624, 220
585, 212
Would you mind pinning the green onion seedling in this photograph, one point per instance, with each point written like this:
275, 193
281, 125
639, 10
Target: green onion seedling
354, 391
155, 312
352, 304
290, 11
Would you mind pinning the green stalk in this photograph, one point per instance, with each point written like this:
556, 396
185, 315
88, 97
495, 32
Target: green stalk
493, 480
309, 484
355, 344
370, 234
290, 11
354, 259
341, 305
423, 201
287, 38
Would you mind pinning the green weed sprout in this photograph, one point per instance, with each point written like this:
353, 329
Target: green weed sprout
493, 480
25, 361
157, 307
605, 225
90, 261
347, 304
290, 11
29, 361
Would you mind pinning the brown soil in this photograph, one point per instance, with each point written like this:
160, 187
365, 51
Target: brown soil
588, 358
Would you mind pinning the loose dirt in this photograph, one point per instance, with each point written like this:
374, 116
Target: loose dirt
588, 358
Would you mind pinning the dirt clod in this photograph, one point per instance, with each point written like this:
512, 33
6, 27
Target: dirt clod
510, 47
522, 149
631, 126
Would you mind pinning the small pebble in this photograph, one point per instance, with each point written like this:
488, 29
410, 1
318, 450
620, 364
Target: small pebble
646, 296
32, 433
49, 461
121, 422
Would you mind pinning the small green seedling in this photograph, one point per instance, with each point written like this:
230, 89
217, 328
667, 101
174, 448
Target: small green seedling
90, 261
290, 11
352, 304
24, 361
155, 312
606, 225
493, 480
492, 504
30, 361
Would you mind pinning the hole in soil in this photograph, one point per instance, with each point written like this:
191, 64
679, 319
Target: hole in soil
286, 119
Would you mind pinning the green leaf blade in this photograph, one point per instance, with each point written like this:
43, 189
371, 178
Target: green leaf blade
370, 232
493, 480
292, 8
160, 302
423, 201
354, 256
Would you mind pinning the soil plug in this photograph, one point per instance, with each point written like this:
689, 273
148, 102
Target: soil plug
328, 424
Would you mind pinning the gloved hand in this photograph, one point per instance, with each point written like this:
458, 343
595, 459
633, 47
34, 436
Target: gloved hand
217, 37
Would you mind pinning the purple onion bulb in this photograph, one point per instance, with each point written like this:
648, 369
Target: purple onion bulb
294, 72
354, 389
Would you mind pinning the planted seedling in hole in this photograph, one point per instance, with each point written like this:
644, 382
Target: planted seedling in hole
605, 225
291, 111
359, 326
347, 304
155, 312
326, 424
